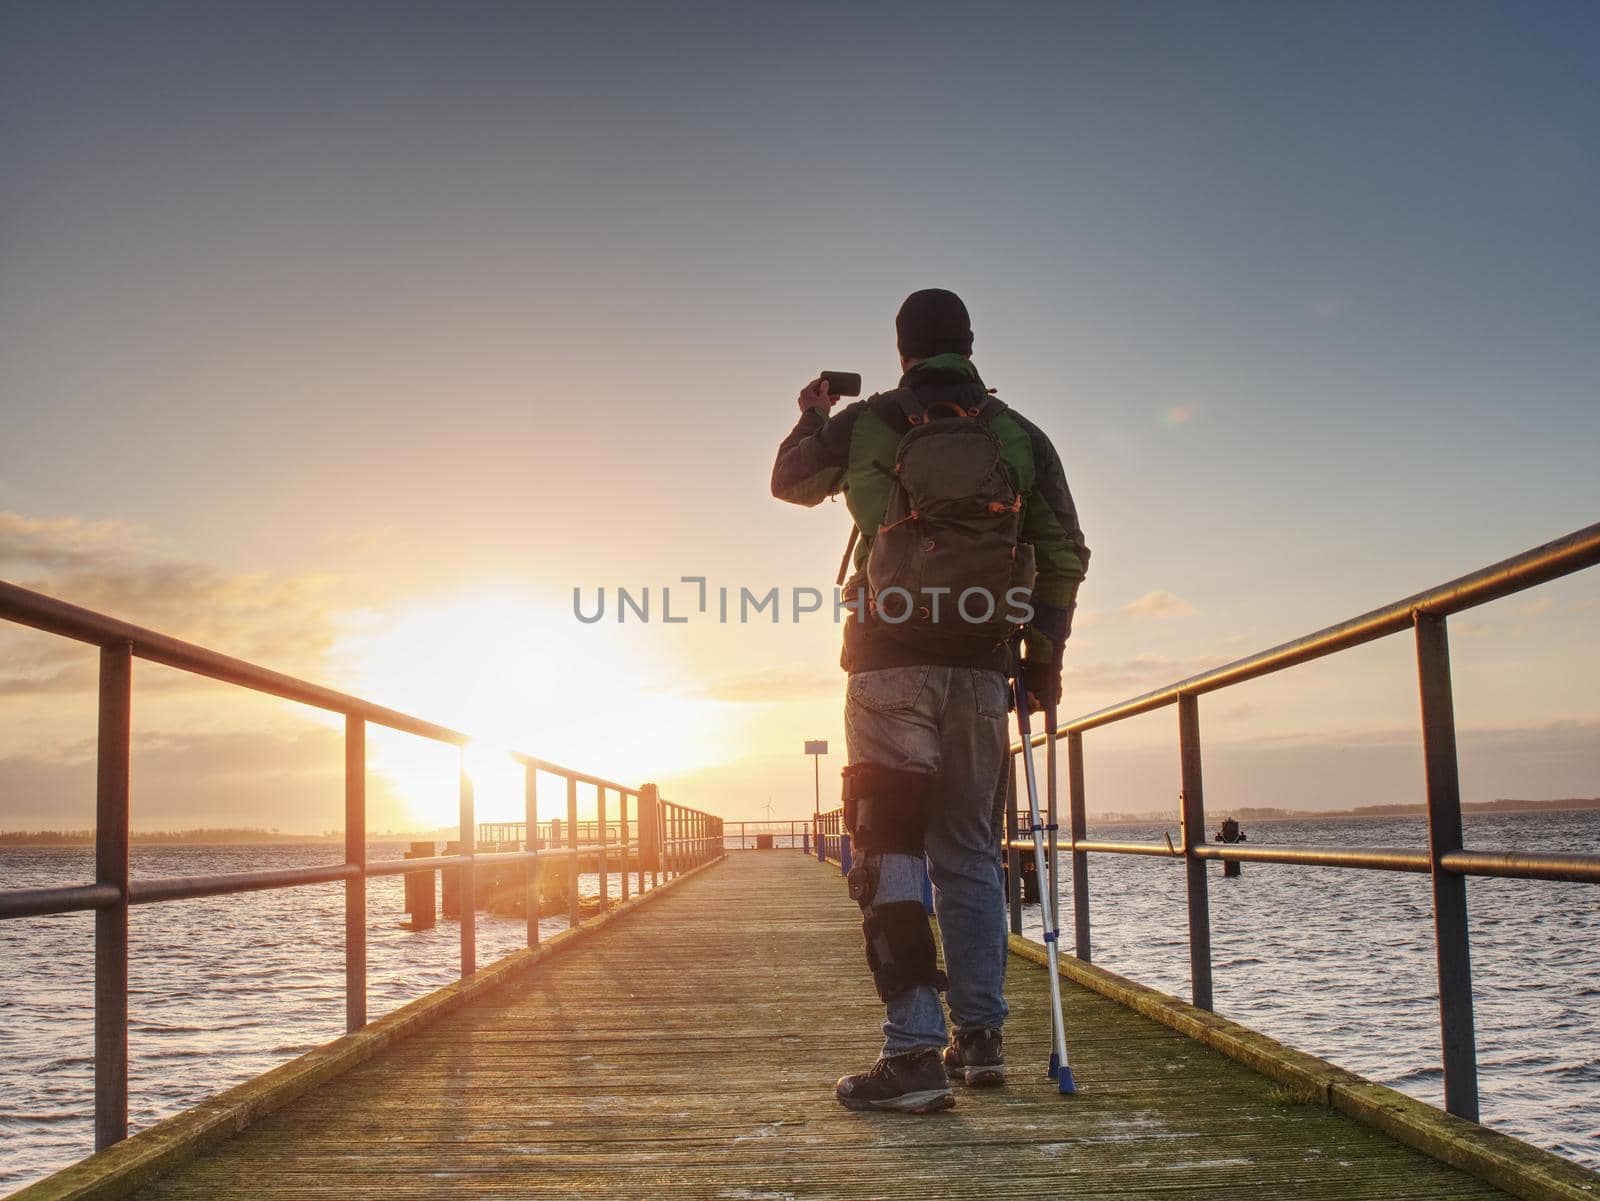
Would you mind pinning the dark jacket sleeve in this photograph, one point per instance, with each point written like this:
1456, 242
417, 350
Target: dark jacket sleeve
811, 461
1061, 557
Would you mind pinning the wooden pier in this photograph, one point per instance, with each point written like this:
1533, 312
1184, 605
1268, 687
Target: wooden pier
688, 1049
683, 1043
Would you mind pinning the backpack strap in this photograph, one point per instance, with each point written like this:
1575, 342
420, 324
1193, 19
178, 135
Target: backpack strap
903, 409
899, 408
954, 406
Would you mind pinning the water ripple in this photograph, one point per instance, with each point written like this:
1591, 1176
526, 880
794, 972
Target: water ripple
220, 990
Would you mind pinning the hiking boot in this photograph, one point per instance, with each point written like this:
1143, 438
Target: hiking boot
973, 1057
911, 1083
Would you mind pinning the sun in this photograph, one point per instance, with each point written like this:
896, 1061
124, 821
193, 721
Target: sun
518, 673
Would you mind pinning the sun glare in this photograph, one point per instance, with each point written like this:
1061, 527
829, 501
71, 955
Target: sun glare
519, 674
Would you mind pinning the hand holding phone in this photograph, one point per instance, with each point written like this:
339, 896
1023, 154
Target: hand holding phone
824, 391
842, 383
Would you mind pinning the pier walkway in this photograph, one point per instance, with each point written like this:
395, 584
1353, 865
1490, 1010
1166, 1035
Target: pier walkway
689, 1049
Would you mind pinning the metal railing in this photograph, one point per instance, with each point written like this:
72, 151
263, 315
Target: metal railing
773, 833
669, 839
1446, 859
833, 839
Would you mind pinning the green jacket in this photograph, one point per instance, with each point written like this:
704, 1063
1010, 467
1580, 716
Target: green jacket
846, 453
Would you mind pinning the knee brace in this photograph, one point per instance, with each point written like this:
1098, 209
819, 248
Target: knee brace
861, 881
885, 809
900, 948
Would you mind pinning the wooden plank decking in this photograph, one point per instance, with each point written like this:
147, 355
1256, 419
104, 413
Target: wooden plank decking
689, 1051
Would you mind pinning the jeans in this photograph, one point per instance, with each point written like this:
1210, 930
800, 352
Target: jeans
950, 724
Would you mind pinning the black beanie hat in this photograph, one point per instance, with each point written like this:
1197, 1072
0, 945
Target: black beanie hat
933, 321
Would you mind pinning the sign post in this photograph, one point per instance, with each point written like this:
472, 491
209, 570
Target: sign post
817, 748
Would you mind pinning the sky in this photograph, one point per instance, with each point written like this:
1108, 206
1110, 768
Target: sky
354, 338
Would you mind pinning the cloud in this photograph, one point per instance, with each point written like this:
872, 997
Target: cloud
1180, 415
110, 567
62, 543
1130, 677
775, 687
292, 781
1343, 769
1158, 603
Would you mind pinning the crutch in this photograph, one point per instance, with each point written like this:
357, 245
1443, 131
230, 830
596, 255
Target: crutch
1060, 1069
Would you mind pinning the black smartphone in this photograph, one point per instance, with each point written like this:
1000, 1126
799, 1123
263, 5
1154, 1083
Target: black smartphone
843, 383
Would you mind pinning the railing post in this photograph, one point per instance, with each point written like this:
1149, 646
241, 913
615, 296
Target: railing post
1078, 828
468, 888
1452, 944
602, 860
530, 880
574, 916
355, 888
1194, 835
111, 922
649, 833
622, 832
638, 837
846, 860
1052, 826
1013, 856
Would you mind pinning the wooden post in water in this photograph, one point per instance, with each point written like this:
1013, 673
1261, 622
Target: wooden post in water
420, 910
450, 885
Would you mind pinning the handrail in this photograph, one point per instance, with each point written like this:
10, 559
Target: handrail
1564, 556
41, 612
1445, 860
667, 839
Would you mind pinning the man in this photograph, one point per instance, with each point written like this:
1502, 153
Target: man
926, 698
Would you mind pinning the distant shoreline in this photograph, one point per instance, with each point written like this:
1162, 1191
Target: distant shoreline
216, 837
1363, 812
219, 837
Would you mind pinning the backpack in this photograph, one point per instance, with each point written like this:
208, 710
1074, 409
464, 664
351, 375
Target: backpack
949, 541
